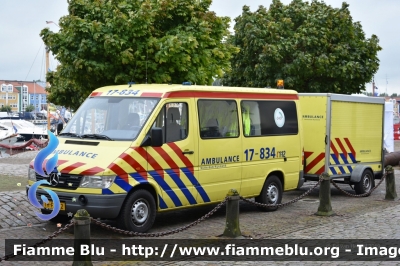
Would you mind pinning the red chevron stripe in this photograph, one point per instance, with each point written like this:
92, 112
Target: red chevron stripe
71, 167
132, 162
334, 149
92, 171
151, 161
60, 162
350, 146
167, 159
119, 171
307, 154
313, 163
341, 146
321, 170
184, 159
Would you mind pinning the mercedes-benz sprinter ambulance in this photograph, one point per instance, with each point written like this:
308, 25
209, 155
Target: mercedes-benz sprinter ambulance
132, 151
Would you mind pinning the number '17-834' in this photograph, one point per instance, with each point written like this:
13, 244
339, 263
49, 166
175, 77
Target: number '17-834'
265, 153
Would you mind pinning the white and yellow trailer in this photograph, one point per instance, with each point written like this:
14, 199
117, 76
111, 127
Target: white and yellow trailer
343, 136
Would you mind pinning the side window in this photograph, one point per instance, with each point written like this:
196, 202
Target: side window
173, 119
218, 119
268, 118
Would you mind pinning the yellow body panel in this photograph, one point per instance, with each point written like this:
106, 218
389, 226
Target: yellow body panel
341, 132
193, 170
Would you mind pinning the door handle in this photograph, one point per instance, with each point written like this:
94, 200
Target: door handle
188, 152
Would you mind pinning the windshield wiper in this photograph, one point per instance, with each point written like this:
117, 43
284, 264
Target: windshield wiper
70, 134
96, 136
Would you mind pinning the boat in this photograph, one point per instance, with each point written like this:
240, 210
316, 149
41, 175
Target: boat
27, 130
8, 136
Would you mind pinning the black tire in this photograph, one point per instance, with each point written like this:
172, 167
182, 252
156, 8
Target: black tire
138, 212
59, 218
366, 183
270, 194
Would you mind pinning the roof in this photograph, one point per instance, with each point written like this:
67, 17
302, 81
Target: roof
32, 87
176, 90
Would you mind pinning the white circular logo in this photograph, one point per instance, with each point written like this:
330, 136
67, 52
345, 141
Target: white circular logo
279, 117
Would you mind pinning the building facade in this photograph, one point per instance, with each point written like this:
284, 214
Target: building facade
20, 94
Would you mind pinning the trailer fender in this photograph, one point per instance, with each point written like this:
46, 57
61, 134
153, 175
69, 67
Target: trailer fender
357, 172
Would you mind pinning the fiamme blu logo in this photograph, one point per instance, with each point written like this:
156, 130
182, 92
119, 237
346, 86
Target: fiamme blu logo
51, 173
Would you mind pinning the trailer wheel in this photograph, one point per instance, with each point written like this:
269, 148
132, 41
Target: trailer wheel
366, 183
270, 194
138, 212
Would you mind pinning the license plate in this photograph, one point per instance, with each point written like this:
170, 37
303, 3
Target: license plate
50, 205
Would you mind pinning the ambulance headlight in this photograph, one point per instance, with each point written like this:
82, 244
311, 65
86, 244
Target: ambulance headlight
95, 181
32, 174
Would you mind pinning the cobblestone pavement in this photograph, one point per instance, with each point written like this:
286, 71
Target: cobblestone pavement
356, 218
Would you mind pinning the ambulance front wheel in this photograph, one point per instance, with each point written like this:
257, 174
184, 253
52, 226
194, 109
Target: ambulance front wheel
366, 183
270, 194
138, 212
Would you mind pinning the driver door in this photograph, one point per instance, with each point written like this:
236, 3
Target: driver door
172, 164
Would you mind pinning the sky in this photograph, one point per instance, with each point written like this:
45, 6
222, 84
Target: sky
22, 52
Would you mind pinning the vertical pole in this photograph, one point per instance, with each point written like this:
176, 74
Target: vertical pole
325, 207
391, 193
373, 87
82, 237
47, 86
232, 228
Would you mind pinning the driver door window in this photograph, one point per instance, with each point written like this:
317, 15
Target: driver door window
173, 119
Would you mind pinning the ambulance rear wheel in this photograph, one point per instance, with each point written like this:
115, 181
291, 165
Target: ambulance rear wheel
270, 194
366, 183
138, 212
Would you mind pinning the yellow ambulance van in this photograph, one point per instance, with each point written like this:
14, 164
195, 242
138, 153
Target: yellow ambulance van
132, 151
343, 136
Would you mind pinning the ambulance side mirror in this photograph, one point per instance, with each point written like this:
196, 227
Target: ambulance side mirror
156, 137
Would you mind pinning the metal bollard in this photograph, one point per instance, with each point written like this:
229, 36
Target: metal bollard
325, 207
232, 228
390, 184
82, 237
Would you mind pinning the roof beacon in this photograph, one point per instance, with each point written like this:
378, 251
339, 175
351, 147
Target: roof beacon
187, 83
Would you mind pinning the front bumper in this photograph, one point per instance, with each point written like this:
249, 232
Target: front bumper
98, 206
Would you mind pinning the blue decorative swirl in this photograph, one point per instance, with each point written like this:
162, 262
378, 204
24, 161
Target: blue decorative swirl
32, 198
41, 156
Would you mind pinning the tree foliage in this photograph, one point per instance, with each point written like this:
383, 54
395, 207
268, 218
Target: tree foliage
30, 108
6, 108
313, 47
105, 42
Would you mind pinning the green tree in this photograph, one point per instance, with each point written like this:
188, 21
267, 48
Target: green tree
30, 108
6, 108
393, 95
107, 42
313, 47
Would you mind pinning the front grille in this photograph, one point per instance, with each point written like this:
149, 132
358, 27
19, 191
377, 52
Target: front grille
62, 198
65, 181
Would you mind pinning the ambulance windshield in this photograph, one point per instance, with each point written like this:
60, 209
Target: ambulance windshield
110, 118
